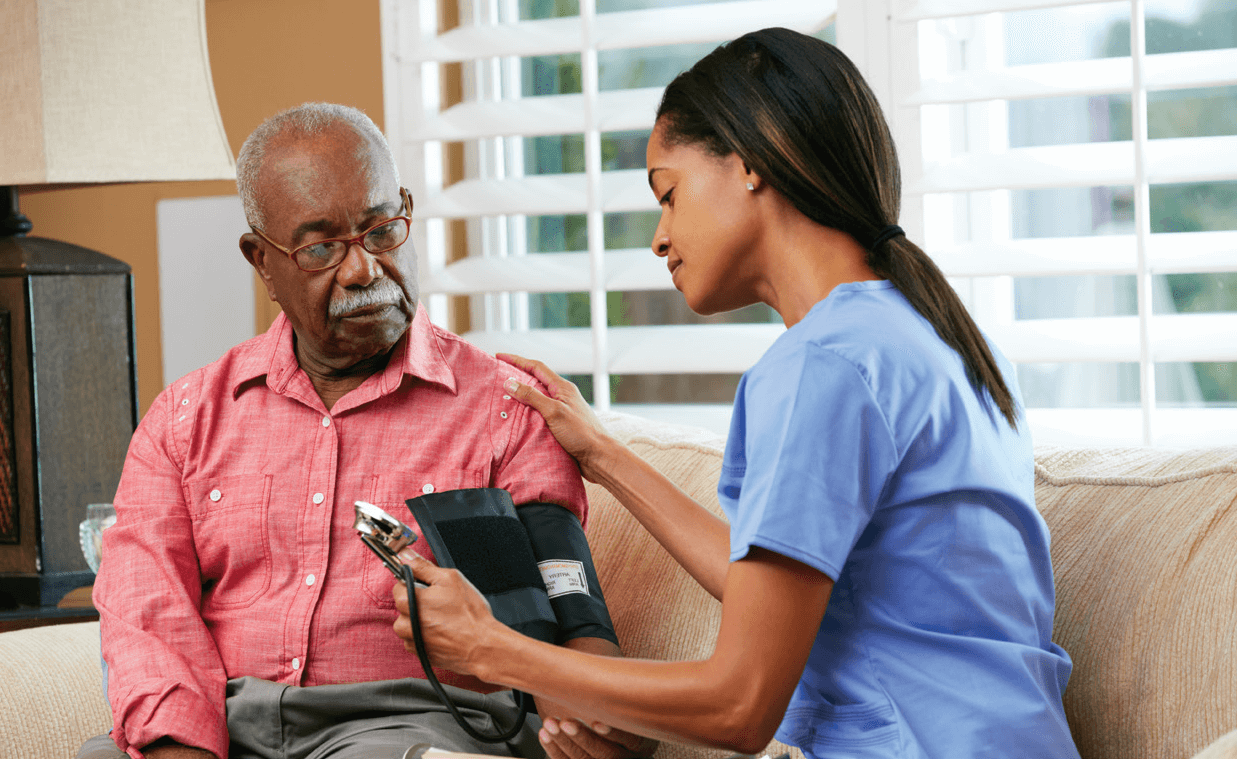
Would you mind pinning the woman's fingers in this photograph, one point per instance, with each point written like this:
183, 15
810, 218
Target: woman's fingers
422, 570
544, 374
453, 615
528, 395
567, 414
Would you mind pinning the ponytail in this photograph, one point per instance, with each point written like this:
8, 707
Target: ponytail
921, 281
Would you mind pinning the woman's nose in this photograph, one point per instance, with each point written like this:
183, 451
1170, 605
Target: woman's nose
661, 243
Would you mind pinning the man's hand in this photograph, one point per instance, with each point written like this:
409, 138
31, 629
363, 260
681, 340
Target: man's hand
164, 749
565, 737
570, 739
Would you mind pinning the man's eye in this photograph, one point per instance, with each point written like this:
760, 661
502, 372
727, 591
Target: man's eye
383, 235
322, 251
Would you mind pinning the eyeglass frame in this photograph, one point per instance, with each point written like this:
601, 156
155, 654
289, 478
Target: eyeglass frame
406, 205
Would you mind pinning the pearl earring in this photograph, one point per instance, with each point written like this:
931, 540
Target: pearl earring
751, 186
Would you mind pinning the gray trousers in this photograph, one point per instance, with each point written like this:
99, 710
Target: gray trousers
378, 720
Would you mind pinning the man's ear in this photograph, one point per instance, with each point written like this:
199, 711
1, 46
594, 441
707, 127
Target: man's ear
255, 254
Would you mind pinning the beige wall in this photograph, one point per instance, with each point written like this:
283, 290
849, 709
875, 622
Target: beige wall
265, 55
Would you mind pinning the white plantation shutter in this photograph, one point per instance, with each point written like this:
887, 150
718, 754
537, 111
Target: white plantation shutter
948, 85
499, 196
953, 97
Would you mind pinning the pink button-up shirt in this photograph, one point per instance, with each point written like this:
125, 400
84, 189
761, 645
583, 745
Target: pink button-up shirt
233, 552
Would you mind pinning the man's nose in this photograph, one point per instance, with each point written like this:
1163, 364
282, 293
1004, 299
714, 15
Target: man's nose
359, 267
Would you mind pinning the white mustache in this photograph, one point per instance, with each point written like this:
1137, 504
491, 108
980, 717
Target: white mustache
382, 292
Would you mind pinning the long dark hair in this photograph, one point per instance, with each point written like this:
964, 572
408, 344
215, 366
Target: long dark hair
800, 115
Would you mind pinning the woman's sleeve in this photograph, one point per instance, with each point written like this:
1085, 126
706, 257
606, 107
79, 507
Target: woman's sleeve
815, 456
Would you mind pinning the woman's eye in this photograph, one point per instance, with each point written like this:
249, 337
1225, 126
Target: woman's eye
666, 198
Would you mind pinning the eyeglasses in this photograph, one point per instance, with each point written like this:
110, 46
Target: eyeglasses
380, 238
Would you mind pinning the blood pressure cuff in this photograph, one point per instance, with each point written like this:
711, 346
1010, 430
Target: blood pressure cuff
532, 564
566, 565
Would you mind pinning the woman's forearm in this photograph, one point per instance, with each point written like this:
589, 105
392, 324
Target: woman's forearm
695, 537
680, 701
735, 699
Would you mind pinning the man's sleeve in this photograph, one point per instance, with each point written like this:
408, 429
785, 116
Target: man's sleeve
165, 676
534, 468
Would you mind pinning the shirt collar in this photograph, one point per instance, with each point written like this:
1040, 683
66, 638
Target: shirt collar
418, 353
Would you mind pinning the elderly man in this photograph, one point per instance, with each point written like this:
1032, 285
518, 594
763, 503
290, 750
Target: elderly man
240, 613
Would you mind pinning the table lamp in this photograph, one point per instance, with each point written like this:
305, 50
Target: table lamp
90, 92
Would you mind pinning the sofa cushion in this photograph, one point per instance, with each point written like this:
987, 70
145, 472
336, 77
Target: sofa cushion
1143, 544
51, 690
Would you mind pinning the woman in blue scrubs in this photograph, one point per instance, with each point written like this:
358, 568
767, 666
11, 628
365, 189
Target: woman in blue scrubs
885, 578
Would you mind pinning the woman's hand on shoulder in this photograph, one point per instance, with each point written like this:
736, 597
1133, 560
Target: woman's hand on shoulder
566, 413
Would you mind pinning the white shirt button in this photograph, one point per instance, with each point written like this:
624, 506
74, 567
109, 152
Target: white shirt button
506, 397
503, 414
319, 498
215, 495
309, 580
427, 488
296, 663
185, 402
326, 421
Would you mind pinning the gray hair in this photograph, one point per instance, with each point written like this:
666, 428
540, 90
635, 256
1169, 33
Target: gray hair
305, 120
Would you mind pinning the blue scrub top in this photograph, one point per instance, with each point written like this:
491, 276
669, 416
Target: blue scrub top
859, 448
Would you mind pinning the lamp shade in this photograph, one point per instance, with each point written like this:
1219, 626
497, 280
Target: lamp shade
108, 91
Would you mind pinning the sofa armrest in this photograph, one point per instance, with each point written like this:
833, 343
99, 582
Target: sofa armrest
51, 690
1224, 747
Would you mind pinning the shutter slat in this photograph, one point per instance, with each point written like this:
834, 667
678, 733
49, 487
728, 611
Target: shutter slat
1187, 252
1176, 337
538, 195
1187, 159
626, 270
926, 9
638, 269
708, 23
624, 29
535, 116
1202, 68
691, 349
1169, 253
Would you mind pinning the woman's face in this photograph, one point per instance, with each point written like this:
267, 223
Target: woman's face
709, 224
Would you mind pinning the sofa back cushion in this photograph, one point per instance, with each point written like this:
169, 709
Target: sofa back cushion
1144, 548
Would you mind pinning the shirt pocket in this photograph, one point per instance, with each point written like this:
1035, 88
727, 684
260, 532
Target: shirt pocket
861, 731
388, 492
232, 537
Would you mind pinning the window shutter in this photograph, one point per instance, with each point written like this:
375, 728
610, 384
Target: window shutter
963, 106
500, 194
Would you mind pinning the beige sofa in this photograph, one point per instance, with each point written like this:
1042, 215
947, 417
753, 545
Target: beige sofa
1145, 552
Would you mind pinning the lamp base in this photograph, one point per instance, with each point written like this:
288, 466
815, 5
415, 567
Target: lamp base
39, 589
68, 406
12, 220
